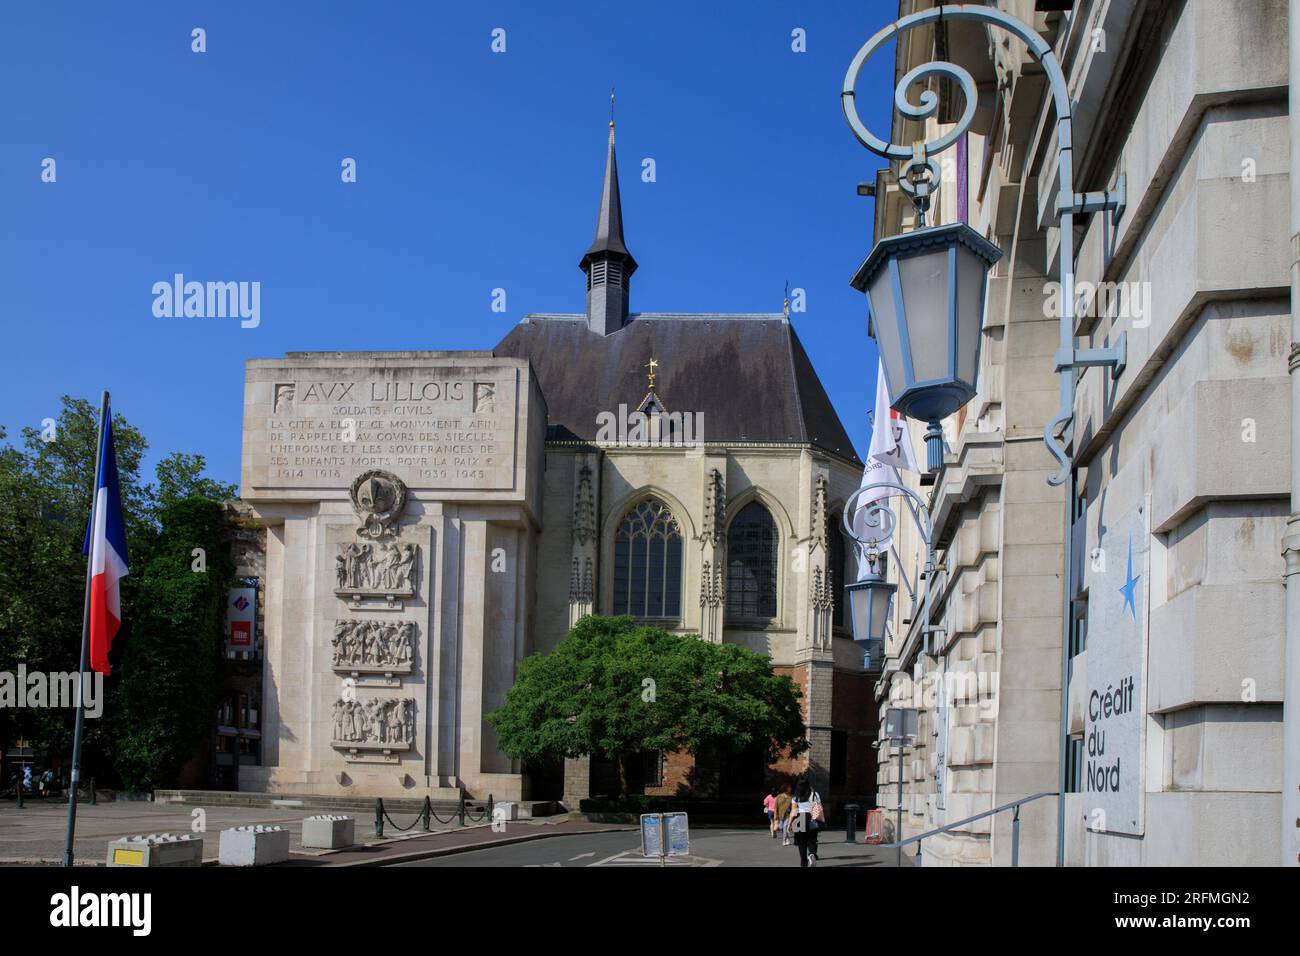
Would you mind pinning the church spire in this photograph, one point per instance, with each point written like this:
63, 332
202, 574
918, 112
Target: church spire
608, 264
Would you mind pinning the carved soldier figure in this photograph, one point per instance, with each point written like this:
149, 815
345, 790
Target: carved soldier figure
336, 715
388, 562
351, 562
406, 567
373, 721
395, 720
408, 720
368, 569
350, 720
341, 570
406, 644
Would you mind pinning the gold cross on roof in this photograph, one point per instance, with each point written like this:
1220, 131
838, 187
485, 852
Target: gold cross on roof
651, 365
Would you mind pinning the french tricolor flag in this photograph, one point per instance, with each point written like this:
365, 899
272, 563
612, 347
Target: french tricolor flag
106, 545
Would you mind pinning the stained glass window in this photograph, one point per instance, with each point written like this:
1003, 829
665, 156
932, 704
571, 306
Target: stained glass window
751, 563
648, 563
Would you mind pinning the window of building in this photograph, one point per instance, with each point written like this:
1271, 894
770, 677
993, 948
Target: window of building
1074, 765
751, 563
652, 768
648, 563
837, 565
839, 757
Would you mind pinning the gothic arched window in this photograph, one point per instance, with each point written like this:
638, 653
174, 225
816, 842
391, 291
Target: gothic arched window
752, 544
648, 563
837, 565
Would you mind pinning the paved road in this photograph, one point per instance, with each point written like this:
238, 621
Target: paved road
709, 847
36, 832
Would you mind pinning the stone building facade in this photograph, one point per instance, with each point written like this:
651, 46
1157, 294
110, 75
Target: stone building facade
1120, 637
432, 518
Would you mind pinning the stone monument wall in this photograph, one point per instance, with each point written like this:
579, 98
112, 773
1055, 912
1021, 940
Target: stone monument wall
400, 492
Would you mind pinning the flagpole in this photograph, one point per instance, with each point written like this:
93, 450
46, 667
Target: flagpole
85, 645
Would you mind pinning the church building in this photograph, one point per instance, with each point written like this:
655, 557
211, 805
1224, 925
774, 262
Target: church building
428, 519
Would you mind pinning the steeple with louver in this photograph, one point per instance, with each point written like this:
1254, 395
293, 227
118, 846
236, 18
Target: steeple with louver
608, 264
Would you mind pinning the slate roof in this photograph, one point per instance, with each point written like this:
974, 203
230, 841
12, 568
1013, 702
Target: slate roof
747, 373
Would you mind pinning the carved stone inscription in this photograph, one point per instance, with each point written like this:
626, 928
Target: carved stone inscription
374, 647
444, 429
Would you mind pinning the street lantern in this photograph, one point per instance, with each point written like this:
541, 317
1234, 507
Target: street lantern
925, 290
869, 602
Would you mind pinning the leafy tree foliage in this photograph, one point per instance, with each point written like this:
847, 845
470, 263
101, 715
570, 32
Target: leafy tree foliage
167, 680
614, 688
45, 494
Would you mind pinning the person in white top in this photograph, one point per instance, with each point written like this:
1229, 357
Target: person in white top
802, 824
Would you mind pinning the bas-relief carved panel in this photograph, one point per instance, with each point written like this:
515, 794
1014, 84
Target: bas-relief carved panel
376, 569
376, 729
374, 647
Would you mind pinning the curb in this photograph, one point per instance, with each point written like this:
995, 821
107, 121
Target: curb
468, 847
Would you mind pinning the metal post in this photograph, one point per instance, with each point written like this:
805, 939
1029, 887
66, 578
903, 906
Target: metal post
20, 786
850, 823
85, 651
917, 861
379, 816
94, 797
427, 809
899, 837
461, 806
1015, 836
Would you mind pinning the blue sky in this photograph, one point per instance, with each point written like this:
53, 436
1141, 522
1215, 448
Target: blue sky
475, 171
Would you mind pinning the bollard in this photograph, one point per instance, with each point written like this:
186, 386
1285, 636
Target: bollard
491, 806
461, 810
20, 790
428, 808
850, 823
379, 816
94, 798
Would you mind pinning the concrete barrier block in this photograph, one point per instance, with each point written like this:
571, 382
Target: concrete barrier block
157, 849
326, 832
253, 846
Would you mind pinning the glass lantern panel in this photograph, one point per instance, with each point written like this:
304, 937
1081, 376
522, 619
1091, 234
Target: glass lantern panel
884, 322
925, 298
972, 272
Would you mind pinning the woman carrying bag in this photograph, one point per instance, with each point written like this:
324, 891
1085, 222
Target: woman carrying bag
806, 817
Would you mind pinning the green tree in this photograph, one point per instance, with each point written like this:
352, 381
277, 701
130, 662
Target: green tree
180, 476
45, 496
614, 688
167, 685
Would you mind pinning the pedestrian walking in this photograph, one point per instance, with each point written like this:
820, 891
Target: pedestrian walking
769, 807
806, 817
783, 802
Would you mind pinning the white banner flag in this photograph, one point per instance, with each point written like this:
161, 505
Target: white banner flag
891, 449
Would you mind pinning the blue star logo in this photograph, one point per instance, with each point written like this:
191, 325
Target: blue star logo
1130, 582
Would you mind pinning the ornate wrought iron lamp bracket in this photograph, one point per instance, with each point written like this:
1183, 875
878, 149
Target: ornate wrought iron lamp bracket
879, 514
918, 157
